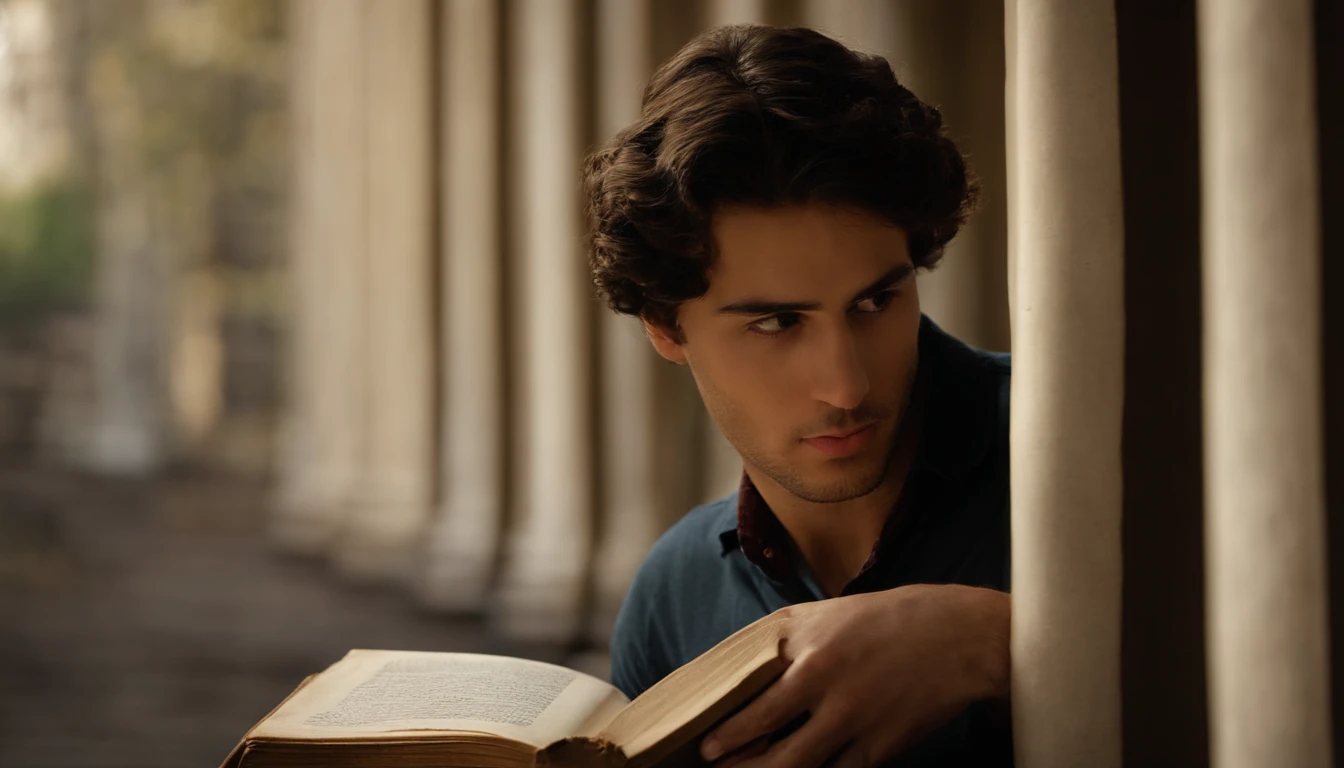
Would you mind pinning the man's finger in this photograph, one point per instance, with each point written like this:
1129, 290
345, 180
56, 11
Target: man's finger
852, 756
753, 748
809, 747
770, 711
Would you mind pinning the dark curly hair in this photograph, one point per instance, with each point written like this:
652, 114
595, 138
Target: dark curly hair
765, 116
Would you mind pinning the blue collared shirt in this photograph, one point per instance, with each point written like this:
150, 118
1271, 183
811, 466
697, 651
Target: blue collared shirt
697, 586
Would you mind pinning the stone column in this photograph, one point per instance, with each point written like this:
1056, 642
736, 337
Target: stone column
1068, 387
466, 538
36, 140
951, 55
293, 524
630, 502
324, 432
1267, 617
547, 569
391, 504
867, 25
722, 12
133, 282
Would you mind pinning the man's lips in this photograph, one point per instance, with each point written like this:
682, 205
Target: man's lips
844, 443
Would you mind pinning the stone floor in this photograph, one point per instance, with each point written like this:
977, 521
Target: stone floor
148, 624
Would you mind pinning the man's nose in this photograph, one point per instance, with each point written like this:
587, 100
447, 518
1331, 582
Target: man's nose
839, 378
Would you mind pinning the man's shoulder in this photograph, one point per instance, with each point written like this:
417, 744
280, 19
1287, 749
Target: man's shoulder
1000, 368
971, 373
1002, 365
689, 553
684, 563
999, 362
958, 354
958, 357
696, 534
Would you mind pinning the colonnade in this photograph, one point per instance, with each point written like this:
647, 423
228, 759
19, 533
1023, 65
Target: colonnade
465, 419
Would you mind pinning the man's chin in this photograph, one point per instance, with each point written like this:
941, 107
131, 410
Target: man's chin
835, 483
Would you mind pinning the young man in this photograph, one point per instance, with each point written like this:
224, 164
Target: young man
766, 218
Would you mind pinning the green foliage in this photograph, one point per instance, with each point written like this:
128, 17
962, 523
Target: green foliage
46, 247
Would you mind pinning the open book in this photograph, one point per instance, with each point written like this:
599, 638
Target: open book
456, 710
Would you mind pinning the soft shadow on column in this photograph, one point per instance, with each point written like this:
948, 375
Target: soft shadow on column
1162, 655
1330, 104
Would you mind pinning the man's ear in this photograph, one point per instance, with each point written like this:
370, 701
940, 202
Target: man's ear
667, 342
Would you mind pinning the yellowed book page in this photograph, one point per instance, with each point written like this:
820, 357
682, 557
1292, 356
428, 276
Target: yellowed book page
694, 697
412, 694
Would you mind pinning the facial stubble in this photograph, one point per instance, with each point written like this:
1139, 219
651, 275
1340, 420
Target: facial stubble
791, 479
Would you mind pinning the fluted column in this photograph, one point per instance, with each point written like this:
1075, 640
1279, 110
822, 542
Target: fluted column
1068, 393
546, 573
130, 427
630, 504
950, 53
867, 25
466, 538
324, 427
392, 498
721, 12
133, 285
1267, 612
295, 455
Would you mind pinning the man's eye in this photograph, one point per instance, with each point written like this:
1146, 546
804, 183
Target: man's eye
875, 303
774, 324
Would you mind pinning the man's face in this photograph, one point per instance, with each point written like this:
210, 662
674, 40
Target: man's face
806, 344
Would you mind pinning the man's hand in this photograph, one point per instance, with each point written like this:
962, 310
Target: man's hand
876, 672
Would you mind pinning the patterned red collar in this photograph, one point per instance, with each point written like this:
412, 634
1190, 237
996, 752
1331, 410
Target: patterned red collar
766, 544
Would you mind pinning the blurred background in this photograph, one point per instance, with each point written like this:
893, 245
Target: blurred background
298, 351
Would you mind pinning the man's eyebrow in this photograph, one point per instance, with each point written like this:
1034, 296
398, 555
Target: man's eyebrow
756, 307
892, 276
763, 307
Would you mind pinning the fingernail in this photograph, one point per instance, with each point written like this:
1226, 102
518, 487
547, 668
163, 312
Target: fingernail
711, 749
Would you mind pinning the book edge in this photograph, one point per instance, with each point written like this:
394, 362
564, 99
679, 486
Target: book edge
235, 758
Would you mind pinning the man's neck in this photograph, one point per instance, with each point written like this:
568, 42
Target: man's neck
836, 539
